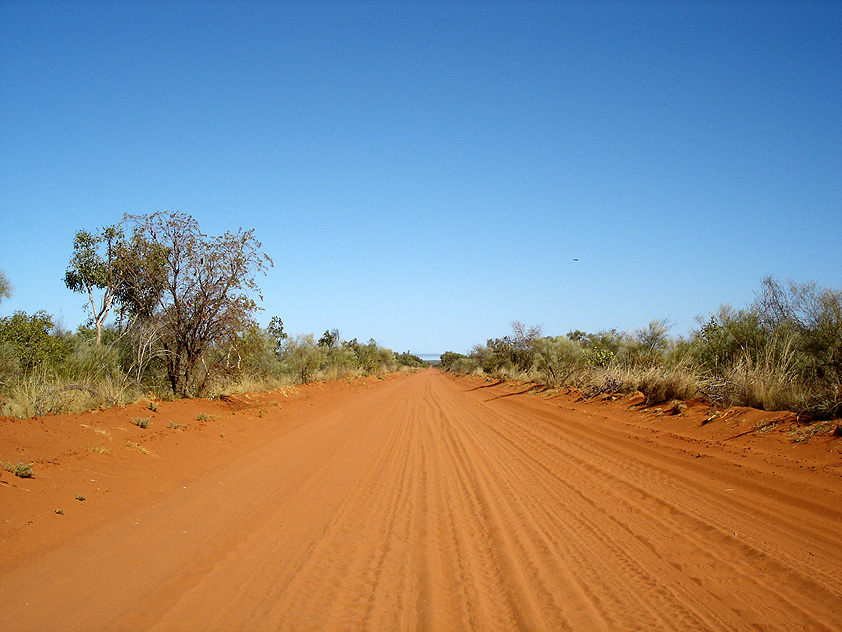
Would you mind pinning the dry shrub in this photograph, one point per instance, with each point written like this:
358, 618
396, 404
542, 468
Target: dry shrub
594, 381
768, 380
766, 388
334, 373
21, 470
803, 433
658, 383
247, 383
44, 393
136, 447
663, 384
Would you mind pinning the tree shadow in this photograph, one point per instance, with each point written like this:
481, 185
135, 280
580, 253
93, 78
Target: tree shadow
534, 388
497, 383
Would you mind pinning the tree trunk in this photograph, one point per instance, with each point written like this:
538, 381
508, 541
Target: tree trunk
96, 316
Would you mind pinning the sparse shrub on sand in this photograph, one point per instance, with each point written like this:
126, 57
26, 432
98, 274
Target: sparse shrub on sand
782, 352
21, 470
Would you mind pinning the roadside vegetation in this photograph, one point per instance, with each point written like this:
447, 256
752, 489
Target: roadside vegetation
782, 352
172, 314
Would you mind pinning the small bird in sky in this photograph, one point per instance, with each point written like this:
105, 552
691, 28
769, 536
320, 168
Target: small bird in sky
575, 260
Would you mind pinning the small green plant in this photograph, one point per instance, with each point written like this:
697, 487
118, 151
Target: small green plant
153, 406
205, 417
20, 470
141, 422
81, 498
60, 512
175, 426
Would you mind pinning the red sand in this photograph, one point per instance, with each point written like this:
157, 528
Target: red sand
421, 502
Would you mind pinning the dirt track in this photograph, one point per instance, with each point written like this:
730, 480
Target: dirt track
433, 503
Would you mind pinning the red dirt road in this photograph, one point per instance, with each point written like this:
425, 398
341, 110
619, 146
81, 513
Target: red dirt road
421, 502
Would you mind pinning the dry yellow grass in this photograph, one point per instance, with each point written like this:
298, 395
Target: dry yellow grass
136, 447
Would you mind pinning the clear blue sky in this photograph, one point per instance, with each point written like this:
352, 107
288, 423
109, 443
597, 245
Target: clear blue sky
424, 173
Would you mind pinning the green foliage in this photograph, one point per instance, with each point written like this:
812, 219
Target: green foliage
555, 359
513, 353
5, 287
803, 328
101, 261
652, 342
303, 357
410, 360
86, 360
726, 338
276, 331
813, 314
32, 340
185, 302
329, 339
784, 351
207, 289
229, 360
370, 357
449, 359
88, 268
452, 361
602, 348
9, 364
143, 274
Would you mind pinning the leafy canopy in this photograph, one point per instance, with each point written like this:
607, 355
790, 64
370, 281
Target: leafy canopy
201, 289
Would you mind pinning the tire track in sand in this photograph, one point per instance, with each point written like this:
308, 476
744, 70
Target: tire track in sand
423, 505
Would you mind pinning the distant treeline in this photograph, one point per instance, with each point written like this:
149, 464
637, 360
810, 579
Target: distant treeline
183, 324
782, 352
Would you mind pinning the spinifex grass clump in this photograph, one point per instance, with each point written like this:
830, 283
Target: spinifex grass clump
21, 470
141, 422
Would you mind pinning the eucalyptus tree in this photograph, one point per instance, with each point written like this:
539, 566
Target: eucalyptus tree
95, 268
